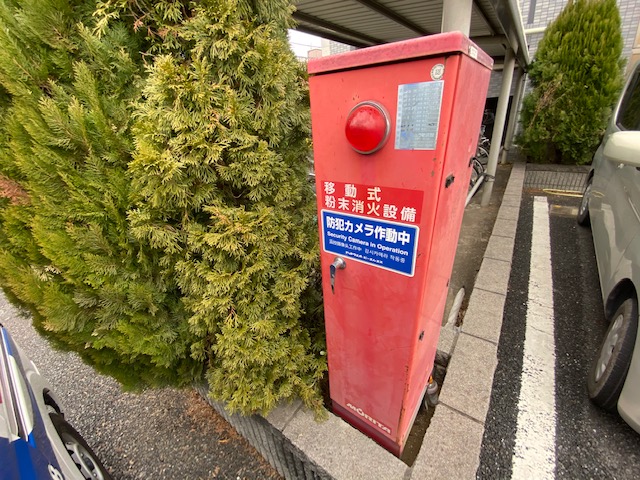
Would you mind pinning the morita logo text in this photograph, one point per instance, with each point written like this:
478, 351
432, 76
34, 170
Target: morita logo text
361, 413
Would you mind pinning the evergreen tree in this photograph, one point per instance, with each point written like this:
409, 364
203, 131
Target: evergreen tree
221, 165
65, 246
156, 215
576, 77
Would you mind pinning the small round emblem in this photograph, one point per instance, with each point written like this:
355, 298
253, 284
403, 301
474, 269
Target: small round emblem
437, 71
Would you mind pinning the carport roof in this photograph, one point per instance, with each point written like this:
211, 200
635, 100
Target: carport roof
495, 24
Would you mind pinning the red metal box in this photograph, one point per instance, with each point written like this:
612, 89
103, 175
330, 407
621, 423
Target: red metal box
394, 129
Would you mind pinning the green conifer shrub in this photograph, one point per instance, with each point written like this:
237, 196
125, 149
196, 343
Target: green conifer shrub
66, 251
222, 137
576, 77
155, 213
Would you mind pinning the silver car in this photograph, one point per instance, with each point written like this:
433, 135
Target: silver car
611, 205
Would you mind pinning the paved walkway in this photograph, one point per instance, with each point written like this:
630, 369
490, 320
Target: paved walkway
454, 438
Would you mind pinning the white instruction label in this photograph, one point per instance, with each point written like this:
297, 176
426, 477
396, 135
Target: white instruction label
418, 116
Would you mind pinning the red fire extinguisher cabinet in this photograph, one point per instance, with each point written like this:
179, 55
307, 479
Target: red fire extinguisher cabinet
394, 129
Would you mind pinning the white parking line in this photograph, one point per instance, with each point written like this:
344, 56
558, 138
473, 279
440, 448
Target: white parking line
534, 453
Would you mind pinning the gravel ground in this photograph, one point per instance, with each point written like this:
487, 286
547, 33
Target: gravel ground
157, 434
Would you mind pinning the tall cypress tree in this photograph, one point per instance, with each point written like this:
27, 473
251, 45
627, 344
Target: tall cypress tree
576, 76
221, 165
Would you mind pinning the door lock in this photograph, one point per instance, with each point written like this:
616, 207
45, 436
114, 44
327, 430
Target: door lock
338, 264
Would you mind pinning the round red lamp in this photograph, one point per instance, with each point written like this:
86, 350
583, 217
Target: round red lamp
367, 128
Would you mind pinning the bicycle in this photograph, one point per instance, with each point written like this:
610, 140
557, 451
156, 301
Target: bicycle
478, 170
478, 164
481, 158
484, 144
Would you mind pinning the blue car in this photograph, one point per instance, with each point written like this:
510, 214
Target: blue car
36, 442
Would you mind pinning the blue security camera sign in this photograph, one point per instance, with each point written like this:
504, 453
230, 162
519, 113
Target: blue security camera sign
380, 243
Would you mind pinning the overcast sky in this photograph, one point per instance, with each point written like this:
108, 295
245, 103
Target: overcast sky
301, 43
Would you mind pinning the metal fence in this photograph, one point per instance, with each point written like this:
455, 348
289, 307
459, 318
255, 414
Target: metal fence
570, 178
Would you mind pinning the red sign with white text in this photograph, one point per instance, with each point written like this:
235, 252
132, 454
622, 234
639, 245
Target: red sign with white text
395, 204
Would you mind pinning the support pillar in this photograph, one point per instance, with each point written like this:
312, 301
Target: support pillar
498, 127
515, 114
456, 16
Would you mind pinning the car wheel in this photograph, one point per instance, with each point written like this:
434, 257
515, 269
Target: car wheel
583, 212
609, 369
80, 452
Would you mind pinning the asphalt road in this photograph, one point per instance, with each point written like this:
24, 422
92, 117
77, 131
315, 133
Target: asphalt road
158, 434
587, 442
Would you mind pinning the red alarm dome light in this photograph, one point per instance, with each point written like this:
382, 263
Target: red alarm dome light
367, 127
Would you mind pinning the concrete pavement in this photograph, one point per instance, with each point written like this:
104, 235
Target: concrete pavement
451, 447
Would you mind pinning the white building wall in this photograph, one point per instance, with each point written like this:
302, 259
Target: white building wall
540, 13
